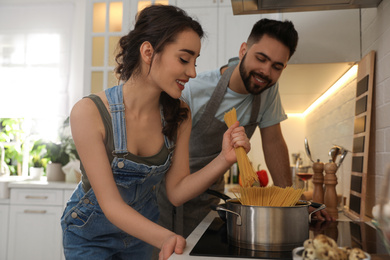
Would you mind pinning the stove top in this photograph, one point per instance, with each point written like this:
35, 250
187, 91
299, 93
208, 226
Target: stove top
355, 234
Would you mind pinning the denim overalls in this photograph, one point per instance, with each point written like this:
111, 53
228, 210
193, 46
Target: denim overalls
87, 233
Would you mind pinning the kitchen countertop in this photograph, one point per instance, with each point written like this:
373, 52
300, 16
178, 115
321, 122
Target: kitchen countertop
194, 237
42, 184
27, 183
192, 240
203, 226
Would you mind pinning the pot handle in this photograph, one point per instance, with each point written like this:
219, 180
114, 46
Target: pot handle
321, 207
218, 194
316, 204
310, 203
219, 208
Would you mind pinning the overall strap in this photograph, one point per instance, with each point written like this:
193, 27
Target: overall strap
117, 110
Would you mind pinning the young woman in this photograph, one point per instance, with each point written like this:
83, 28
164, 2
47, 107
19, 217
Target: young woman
131, 136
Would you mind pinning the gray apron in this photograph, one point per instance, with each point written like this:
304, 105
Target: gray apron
205, 145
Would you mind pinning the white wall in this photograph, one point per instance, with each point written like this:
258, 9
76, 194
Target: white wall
376, 36
331, 124
293, 130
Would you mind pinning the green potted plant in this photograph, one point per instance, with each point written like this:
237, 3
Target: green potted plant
38, 163
12, 137
37, 169
57, 153
60, 153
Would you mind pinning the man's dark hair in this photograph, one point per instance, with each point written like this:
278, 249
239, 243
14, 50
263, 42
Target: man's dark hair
282, 31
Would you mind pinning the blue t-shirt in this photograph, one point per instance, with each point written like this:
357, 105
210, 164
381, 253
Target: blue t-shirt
198, 91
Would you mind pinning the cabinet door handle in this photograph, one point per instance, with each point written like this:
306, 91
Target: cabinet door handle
36, 197
30, 211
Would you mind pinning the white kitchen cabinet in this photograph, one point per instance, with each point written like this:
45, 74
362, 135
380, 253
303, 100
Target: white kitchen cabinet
4, 211
34, 224
233, 30
206, 13
324, 36
224, 32
201, 3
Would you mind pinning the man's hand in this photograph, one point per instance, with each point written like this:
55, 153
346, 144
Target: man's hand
321, 215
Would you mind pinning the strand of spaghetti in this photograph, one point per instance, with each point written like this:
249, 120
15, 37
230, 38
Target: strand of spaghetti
274, 196
248, 176
298, 195
258, 196
284, 197
244, 199
238, 197
269, 196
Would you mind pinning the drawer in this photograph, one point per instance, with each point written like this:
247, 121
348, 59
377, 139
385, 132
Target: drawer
37, 197
67, 194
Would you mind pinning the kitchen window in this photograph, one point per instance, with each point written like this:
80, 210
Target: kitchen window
30, 75
37, 76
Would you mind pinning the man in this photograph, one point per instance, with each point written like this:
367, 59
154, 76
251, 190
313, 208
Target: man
251, 88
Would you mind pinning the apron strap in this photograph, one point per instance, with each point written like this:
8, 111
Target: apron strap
219, 92
251, 127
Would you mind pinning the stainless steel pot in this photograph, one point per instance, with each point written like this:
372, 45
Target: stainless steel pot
267, 228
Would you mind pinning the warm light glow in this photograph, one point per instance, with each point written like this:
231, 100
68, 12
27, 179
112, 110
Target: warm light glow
115, 16
295, 114
348, 76
97, 51
99, 17
143, 4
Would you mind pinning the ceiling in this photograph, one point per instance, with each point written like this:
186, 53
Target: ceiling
301, 84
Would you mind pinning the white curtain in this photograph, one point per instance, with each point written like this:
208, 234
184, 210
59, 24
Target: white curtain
35, 58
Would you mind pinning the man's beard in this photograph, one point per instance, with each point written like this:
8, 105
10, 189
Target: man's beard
246, 77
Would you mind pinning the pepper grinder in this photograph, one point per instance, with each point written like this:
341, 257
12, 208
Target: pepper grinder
330, 181
318, 182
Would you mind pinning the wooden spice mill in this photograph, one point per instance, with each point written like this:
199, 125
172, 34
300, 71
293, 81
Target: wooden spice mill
325, 185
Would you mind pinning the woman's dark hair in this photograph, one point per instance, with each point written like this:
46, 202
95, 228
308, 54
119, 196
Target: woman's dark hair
281, 31
159, 25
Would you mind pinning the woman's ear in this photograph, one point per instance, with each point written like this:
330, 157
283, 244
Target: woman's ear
243, 49
146, 51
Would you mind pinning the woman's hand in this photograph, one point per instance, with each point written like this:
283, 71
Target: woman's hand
173, 244
233, 138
